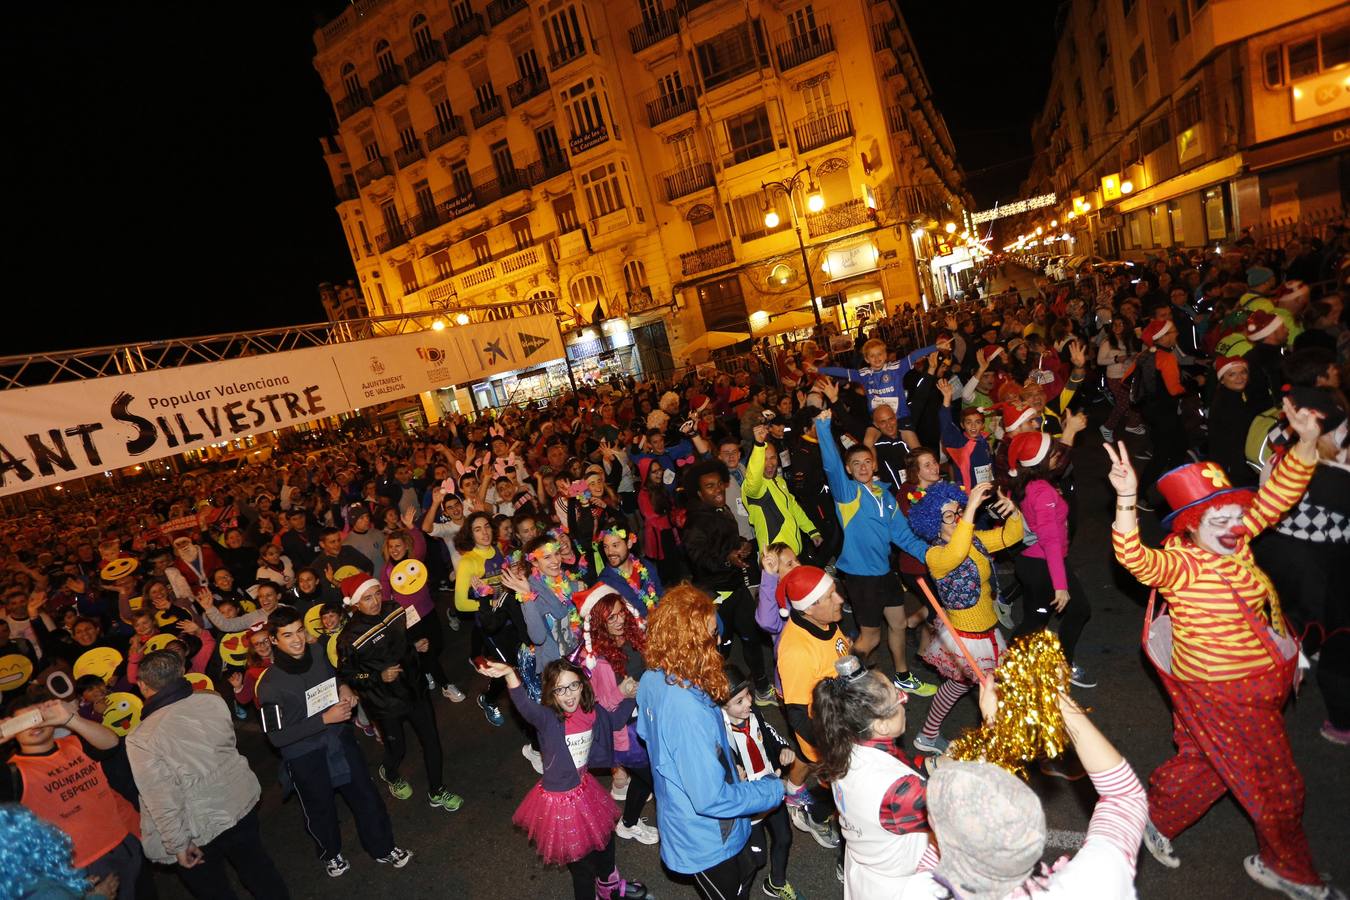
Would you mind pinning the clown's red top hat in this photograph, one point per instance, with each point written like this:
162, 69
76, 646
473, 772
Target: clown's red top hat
1192, 485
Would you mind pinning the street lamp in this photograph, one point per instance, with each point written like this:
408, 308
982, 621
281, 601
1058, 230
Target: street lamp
950, 228
814, 203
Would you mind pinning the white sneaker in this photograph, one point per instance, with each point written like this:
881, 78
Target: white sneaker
536, 761
337, 866
1107, 435
1291, 889
619, 792
452, 693
937, 745
640, 831
1161, 848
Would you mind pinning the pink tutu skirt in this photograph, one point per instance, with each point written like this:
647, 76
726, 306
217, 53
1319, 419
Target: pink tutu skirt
566, 826
945, 656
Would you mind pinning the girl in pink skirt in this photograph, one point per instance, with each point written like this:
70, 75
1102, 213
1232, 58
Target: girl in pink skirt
568, 815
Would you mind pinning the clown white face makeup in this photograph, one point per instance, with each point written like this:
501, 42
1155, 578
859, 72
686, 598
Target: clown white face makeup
1220, 529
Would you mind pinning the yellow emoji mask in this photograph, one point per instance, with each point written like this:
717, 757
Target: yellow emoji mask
15, 670
123, 712
408, 577
101, 661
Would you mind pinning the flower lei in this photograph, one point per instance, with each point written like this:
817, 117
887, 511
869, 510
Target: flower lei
640, 580
563, 586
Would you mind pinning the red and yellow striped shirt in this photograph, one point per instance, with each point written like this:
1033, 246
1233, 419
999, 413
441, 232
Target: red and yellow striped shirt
1211, 640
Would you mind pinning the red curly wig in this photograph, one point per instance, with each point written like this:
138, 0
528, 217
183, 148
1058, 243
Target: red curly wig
681, 644
604, 644
1189, 519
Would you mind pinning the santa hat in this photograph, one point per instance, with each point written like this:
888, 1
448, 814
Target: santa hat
1154, 330
1027, 449
353, 586
1291, 295
1226, 363
585, 602
1013, 415
988, 352
1261, 325
802, 587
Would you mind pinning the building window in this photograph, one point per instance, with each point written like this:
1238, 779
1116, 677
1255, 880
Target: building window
802, 24
407, 135
729, 55
816, 98
370, 148
421, 35
584, 115
365, 238
445, 115
1155, 134
350, 82
1138, 65
482, 251
527, 64
1303, 59
407, 276
604, 193
426, 206
564, 33
1274, 67
502, 163
462, 11
459, 177
685, 150
1188, 110
565, 211
1216, 213
384, 57
1335, 47
747, 214
389, 212
1083, 135
749, 134
1109, 101
587, 289
522, 233
441, 261
547, 140
634, 276
486, 95
1173, 32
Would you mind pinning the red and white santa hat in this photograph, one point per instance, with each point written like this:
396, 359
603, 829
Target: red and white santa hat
1027, 449
585, 602
1291, 295
1227, 364
353, 586
1154, 330
1261, 325
802, 587
988, 352
1014, 415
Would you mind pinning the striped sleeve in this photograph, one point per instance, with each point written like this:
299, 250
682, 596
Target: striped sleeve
1121, 812
1154, 568
929, 861
1282, 490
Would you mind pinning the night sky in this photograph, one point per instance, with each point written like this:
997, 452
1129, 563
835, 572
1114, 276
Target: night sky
165, 176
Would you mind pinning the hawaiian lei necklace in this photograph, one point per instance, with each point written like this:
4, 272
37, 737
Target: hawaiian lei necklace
641, 582
563, 586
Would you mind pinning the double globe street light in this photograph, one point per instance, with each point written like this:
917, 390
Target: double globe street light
815, 202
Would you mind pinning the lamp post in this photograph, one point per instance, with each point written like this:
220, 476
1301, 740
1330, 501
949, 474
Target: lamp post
815, 202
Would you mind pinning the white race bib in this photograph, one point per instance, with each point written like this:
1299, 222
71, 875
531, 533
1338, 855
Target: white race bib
668, 477
411, 616
579, 745
741, 511
983, 474
892, 402
320, 697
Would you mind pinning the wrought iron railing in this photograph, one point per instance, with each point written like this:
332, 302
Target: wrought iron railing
406, 156
425, 56
485, 113
705, 258
794, 49
838, 217
464, 32
663, 25
665, 106
386, 81
376, 168
817, 131
353, 103
444, 132
498, 11
531, 85
682, 182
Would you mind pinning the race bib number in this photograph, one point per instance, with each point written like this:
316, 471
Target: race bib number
847, 441
741, 511
579, 745
984, 474
784, 459
892, 402
320, 697
411, 616
668, 477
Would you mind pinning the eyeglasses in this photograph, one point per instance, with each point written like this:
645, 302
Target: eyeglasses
563, 690
952, 516
617, 616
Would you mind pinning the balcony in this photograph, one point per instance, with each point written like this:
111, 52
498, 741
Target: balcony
514, 265
406, 156
589, 139
491, 185
542, 170
838, 217
346, 191
705, 258
688, 6
351, 104
445, 132
423, 222
747, 152
531, 85
665, 24
565, 54
372, 171
391, 239
683, 182
794, 49
498, 11
425, 56
881, 36
464, 32
665, 106
386, 81
816, 131
731, 71
484, 114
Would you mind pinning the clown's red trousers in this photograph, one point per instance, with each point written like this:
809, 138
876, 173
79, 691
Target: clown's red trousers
1230, 736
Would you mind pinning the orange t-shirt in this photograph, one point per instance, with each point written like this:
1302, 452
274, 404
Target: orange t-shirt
803, 660
69, 790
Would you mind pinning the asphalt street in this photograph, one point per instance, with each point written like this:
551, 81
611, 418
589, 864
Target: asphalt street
476, 853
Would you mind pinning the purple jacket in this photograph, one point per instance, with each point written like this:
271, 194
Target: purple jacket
1046, 515
560, 773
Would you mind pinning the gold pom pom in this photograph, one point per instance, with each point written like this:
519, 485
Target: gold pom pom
1029, 724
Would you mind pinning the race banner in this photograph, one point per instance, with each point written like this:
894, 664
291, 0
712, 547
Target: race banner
53, 433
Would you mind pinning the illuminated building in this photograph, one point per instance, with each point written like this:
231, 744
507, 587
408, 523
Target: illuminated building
606, 161
1183, 122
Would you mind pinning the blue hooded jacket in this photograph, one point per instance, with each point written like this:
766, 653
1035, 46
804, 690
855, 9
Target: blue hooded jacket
705, 807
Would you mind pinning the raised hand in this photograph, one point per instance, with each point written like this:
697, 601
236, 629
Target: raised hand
980, 493
945, 388
760, 432
1307, 423
1122, 475
1077, 354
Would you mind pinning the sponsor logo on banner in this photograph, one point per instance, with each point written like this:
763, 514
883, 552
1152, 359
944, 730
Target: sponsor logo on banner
494, 349
437, 370
530, 343
376, 366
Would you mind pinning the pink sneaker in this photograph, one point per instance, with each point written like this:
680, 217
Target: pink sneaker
1336, 735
